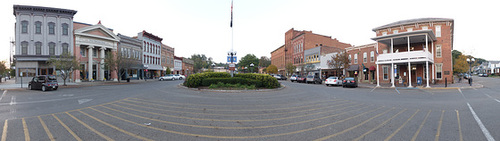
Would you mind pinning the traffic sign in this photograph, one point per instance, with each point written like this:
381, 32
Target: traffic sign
232, 66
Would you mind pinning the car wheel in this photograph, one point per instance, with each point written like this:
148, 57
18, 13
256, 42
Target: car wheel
44, 88
29, 87
54, 89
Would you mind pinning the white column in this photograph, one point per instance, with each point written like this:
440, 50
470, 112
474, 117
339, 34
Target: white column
378, 78
101, 68
392, 75
409, 74
392, 45
408, 43
427, 71
90, 54
432, 52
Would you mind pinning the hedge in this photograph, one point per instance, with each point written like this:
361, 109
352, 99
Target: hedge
207, 78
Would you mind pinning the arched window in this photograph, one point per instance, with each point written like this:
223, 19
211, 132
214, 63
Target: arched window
65, 29
64, 48
38, 27
372, 56
38, 48
24, 48
24, 27
52, 48
52, 29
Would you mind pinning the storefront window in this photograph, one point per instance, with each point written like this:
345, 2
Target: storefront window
28, 72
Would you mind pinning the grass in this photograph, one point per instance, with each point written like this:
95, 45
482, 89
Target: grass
224, 86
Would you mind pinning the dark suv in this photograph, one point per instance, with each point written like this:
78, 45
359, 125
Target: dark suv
43, 82
313, 79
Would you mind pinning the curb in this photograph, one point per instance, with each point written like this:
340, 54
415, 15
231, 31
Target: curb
232, 91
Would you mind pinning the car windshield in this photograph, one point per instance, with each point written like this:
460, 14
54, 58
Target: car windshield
349, 78
52, 77
332, 77
170, 75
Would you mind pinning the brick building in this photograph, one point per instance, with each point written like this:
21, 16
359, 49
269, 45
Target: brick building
187, 66
415, 49
167, 58
278, 59
362, 62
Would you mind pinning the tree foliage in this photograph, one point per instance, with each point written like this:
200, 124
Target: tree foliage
247, 60
272, 69
338, 62
119, 62
290, 68
460, 64
200, 61
66, 63
264, 61
3, 67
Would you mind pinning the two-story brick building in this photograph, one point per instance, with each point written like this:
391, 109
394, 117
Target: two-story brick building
362, 62
415, 49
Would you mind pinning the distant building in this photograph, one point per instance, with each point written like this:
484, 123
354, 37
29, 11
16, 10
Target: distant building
415, 49
151, 54
362, 62
41, 32
177, 65
187, 66
167, 58
313, 60
278, 59
131, 48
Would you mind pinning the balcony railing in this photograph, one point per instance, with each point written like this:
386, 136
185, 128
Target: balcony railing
404, 57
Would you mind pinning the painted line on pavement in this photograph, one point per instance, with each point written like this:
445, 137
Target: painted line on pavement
401, 127
438, 132
491, 97
459, 126
3, 94
46, 129
481, 125
116, 128
420, 127
378, 126
285, 104
397, 90
26, 131
4, 132
373, 89
67, 128
12, 100
92, 129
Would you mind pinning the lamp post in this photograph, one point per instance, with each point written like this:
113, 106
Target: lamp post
232, 53
470, 61
213, 66
251, 67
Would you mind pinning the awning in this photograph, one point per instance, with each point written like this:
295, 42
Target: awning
372, 68
353, 68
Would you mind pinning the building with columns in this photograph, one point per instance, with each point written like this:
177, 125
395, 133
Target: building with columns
415, 49
92, 44
151, 48
40, 33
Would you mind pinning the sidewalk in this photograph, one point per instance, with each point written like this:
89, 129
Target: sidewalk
10, 84
462, 85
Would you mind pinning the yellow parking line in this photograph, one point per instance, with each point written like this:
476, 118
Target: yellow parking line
46, 129
420, 127
25, 129
236, 137
116, 128
168, 102
439, 126
4, 131
246, 115
459, 126
180, 117
241, 110
253, 127
356, 126
401, 127
67, 128
92, 129
378, 126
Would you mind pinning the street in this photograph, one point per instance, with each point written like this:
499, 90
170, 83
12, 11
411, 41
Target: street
163, 110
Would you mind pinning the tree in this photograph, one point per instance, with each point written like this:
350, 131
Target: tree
272, 69
66, 63
264, 61
120, 64
290, 68
338, 62
460, 65
249, 59
3, 70
168, 71
200, 61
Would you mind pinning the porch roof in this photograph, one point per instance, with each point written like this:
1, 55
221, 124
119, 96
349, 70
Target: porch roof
400, 38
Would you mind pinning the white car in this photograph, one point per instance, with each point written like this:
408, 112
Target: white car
179, 76
293, 78
333, 81
167, 77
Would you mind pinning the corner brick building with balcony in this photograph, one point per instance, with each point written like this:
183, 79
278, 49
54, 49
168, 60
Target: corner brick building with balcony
415, 51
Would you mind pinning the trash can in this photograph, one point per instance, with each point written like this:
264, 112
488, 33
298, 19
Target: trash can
128, 79
419, 81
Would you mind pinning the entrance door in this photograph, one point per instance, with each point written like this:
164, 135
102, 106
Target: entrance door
94, 72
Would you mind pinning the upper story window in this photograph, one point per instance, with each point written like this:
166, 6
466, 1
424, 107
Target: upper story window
425, 27
355, 58
52, 48
94, 52
65, 29
24, 27
395, 31
438, 51
38, 27
24, 48
350, 58
365, 57
82, 52
438, 30
38, 48
65, 48
372, 56
409, 29
52, 28
384, 33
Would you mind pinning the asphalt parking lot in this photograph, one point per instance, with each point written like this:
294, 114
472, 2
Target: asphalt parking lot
165, 111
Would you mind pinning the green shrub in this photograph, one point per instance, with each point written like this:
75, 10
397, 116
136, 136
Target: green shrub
219, 78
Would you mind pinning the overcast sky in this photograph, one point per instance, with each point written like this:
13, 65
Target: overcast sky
202, 26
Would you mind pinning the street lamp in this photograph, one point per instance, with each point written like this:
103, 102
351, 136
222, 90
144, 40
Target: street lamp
470, 61
251, 66
213, 66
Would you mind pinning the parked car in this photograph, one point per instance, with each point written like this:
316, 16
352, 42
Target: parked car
293, 77
179, 76
167, 77
333, 81
350, 82
279, 77
43, 82
301, 79
313, 79
483, 75
466, 76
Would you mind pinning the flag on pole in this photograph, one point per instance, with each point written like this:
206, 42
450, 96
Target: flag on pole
231, 24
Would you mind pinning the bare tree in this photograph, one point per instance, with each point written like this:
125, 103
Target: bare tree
338, 62
118, 63
66, 63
